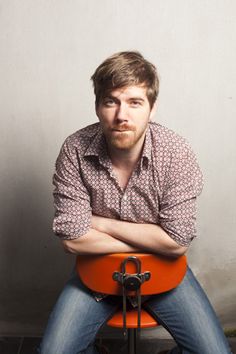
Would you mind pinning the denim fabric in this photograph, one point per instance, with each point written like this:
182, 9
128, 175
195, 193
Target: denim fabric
189, 317
185, 312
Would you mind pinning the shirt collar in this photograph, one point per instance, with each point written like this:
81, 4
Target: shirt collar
98, 148
147, 148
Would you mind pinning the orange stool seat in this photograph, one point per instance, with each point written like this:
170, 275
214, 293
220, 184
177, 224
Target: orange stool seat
147, 320
96, 272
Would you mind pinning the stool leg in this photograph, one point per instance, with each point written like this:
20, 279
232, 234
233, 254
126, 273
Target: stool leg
132, 336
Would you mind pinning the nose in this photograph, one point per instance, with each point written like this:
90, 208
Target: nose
122, 113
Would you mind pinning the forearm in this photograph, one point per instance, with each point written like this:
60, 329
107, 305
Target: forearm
96, 242
148, 237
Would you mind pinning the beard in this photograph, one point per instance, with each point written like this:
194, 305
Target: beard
123, 137
123, 140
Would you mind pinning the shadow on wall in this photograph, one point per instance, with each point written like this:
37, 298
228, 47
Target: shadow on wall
33, 266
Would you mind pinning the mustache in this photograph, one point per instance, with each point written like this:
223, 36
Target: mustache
124, 127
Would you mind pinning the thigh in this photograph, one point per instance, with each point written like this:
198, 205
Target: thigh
75, 319
189, 317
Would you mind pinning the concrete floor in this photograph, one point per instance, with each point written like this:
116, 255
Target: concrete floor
18, 345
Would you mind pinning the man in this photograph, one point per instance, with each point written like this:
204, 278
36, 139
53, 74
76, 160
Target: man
127, 184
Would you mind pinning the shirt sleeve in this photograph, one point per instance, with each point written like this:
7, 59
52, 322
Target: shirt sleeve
183, 184
71, 198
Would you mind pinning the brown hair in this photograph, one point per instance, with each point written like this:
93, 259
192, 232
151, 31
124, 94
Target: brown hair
125, 69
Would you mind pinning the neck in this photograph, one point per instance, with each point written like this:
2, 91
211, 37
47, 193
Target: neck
126, 159
123, 160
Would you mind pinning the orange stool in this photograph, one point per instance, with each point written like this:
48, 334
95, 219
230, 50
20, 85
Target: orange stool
97, 273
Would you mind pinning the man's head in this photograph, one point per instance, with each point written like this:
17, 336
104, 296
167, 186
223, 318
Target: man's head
126, 88
125, 69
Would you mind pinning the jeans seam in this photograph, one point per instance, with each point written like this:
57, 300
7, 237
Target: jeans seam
159, 320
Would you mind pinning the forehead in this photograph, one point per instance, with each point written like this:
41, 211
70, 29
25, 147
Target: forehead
128, 92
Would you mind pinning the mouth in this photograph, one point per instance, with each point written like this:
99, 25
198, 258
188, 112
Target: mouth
120, 130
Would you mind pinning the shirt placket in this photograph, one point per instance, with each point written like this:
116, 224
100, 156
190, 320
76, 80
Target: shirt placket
124, 205
125, 198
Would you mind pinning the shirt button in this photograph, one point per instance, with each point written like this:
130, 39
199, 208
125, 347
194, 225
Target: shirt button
125, 197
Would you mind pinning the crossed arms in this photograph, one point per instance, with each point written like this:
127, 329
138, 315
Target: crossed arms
115, 236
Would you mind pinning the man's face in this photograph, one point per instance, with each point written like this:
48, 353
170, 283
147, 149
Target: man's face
124, 115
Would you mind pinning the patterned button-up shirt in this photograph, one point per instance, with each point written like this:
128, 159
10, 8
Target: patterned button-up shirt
162, 189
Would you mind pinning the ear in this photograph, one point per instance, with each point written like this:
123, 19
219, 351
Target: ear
153, 111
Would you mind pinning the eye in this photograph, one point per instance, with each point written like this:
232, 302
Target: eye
109, 102
135, 103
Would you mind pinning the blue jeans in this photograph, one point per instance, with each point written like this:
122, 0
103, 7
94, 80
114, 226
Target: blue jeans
185, 312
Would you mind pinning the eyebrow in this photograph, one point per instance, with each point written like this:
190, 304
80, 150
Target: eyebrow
129, 99
136, 99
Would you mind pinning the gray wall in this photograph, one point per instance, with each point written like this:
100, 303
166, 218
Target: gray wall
48, 50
